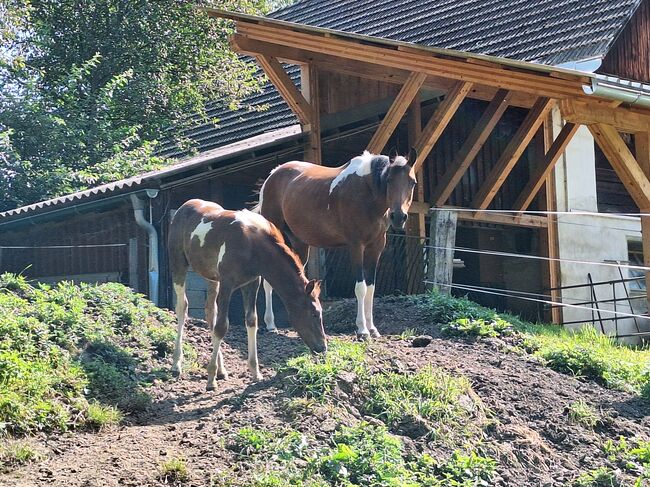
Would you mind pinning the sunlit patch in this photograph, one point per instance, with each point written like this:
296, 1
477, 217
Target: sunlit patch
361, 166
250, 219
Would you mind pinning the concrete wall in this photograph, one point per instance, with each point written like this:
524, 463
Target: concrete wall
588, 238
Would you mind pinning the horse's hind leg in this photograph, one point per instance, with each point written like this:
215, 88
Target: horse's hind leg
269, 316
211, 304
370, 260
249, 295
178, 277
216, 367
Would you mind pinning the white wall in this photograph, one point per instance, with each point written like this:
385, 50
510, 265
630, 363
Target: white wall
591, 238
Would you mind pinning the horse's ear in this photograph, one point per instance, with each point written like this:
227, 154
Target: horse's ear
392, 153
413, 155
313, 288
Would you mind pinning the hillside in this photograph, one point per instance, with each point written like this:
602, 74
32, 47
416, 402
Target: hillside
475, 403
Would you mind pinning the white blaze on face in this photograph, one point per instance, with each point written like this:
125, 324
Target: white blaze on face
201, 231
400, 161
250, 219
361, 166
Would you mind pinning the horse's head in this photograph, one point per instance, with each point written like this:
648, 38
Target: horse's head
400, 181
306, 317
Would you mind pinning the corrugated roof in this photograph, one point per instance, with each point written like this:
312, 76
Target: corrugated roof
541, 31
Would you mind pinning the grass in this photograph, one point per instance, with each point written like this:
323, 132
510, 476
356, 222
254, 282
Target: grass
16, 453
70, 355
579, 412
479, 328
599, 477
174, 471
631, 455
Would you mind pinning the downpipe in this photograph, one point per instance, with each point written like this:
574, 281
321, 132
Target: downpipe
139, 208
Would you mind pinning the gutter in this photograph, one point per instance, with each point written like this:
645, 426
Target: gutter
154, 269
631, 92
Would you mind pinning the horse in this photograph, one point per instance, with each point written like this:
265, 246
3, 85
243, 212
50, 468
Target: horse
348, 206
232, 250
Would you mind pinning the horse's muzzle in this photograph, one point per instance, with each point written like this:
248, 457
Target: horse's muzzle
398, 219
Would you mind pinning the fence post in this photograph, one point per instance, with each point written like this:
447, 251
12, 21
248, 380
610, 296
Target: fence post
441, 256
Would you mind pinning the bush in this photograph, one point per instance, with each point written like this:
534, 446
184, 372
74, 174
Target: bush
69, 353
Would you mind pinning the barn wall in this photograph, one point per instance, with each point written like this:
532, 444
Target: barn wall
114, 226
630, 55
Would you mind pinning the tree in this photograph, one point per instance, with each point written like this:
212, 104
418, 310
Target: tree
84, 84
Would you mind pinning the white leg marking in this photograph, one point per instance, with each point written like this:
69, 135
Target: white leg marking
181, 310
212, 364
367, 309
269, 317
252, 353
360, 291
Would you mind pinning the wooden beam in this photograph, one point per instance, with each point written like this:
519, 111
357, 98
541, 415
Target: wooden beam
439, 121
285, 86
419, 59
441, 257
397, 110
471, 147
512, 153
624, 164
642, 152
351, 67
310, 90
520, 220
414, 118
623, 119
545, 166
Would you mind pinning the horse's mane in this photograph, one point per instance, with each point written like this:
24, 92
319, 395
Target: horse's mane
276, 237
379, 166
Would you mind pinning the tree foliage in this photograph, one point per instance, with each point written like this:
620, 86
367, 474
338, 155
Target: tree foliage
87, 87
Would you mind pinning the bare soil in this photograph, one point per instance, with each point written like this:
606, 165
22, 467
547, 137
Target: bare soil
531, 436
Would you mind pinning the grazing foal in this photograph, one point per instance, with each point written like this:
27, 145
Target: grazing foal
349, 206
231, 250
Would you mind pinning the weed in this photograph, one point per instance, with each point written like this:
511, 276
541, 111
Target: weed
581, 413
16, 453
408, 333
431, 393
477, 328
99, 416
631, 455
599, 477
249, 441
174, 471
460, 470
315, 377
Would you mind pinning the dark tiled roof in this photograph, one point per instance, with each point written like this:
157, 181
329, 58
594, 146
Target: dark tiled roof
543, 31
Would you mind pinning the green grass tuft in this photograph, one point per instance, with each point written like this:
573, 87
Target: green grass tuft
579, 412
99, 416
16, 453
174, 471
477, 328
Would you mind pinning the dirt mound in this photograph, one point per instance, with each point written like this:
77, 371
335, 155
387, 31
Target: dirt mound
525, 407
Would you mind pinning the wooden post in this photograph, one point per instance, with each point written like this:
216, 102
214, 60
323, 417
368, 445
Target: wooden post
642, 149
442, 235
133, 264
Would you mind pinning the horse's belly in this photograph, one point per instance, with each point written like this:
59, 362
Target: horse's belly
317, 231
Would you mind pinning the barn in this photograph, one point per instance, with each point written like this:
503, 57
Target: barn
531, 122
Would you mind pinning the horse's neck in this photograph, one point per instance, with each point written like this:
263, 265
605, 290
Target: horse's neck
280, 272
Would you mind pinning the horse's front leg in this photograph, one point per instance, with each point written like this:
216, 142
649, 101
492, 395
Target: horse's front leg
269, 317
360, 290
249, 295
181, 316
370, 262
216, 367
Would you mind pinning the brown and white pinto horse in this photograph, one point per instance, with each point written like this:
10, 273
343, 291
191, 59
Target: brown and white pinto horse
231, 250
349, 206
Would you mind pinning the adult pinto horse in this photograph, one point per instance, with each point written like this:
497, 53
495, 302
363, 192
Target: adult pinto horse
348, 206
231, 250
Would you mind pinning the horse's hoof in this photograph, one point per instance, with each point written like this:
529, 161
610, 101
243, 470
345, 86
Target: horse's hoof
272, 330
257, 377
176, 374
222, 375
364, 337
210, 387
374, 333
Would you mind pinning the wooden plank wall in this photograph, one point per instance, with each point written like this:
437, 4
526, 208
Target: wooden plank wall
630, 55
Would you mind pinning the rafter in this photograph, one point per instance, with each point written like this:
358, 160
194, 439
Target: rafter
471, 147
397, 110
545, 166
512, 153
439, 121
287, 89
624, 119
624, 164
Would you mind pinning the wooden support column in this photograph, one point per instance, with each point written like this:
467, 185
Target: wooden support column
471, 147
414, 132
439, 121
397, 110
309, 86
441, 259
512, 153
642, 149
